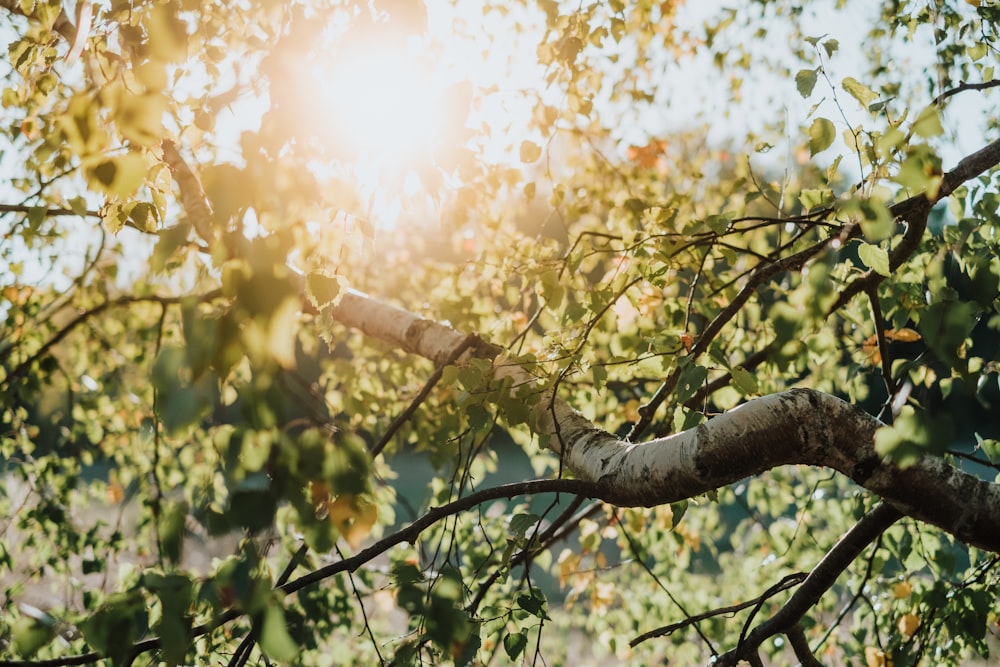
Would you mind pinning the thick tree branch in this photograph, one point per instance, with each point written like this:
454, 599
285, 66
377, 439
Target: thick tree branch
800, 426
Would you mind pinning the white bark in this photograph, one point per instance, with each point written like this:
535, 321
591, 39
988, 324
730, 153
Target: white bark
800, 426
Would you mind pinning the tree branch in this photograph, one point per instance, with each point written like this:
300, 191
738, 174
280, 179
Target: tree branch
21, 369
914, 212
800, 426
823, 576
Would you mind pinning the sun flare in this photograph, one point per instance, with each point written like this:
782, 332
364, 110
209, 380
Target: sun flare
382, 103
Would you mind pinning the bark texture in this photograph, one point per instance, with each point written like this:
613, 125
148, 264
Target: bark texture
799, 426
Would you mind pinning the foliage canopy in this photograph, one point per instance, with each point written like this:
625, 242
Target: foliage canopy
215, 449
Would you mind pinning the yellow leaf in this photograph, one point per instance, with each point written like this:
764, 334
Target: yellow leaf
875, 657
902, 335
902, 590
530, 151
354, 517
908, 624
569, 563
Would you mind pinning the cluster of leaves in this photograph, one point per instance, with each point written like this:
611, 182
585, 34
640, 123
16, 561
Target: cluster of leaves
178, 371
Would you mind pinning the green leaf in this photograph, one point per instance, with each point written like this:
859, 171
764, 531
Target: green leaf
534, 603
170, 530
928, 123
520, 523
274, 638
31, 634
821, 135
116, 625
174, 628
691, 380
814, 198
167, 33
875, 258
745, 382
859, 91
323, 287
913, 435
805, 81
120, 176
515, 644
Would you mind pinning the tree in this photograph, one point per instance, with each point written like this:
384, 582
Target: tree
755, 392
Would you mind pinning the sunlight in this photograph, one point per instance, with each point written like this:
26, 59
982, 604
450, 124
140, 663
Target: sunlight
398, 108
383, 104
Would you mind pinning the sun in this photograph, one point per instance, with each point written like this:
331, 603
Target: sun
395, 110
383, 102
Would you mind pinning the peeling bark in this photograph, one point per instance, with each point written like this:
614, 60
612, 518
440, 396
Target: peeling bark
799, 426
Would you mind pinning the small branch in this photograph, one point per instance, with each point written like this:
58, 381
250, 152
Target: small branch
563, 524
883, 349
411, 532
193, 197
49, 212
789, 581
914, 212
760, 275
21, 369
820, 580
408, 534
962, 87
797, 638
435, 377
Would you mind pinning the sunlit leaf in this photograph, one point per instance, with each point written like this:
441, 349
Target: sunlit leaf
875, 258
821, 135
862, 93
530, 152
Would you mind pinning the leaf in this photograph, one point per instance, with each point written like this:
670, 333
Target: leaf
274, 638
821, 135
692, 378
902, 335
323, 288
805, 81
814, 198
515, 644
530, 152
167, 33
875, 258
745, 382
928, 123
533, 602
31, 634
859, 91
120, 176
113, 628
140, 118
170, 530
